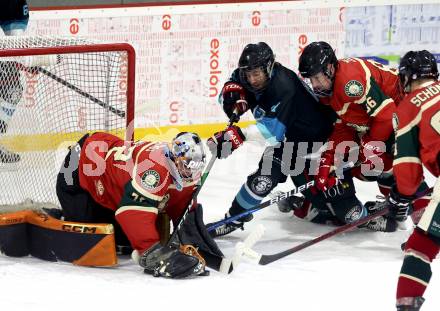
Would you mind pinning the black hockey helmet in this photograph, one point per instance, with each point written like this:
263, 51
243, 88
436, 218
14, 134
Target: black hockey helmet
315, 58
417, 65
256, 55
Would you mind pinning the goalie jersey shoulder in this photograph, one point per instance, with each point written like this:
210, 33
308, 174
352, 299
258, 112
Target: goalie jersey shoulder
108, 164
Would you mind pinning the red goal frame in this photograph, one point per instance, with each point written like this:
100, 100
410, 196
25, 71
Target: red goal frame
99, 47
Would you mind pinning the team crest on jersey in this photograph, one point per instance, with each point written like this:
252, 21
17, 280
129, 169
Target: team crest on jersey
353, 214
261, 185
99, 187
150, 179
354, 88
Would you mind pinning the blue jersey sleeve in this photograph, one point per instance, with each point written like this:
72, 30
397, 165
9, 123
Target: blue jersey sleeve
272, 129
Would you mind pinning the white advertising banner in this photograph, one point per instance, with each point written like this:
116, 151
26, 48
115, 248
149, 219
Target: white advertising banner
186, 52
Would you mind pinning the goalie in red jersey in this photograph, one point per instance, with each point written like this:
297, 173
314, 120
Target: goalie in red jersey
107, 179
417, 144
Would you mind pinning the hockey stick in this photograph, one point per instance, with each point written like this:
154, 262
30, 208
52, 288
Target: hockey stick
267, 259
32, 69
76, 89
281, 197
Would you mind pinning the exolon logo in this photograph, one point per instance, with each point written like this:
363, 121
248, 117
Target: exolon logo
214, 65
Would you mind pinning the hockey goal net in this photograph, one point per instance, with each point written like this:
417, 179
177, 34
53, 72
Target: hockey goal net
52, 92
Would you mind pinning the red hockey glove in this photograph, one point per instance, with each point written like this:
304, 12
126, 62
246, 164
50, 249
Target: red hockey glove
373, 157
224, 142
325, 179
234, 100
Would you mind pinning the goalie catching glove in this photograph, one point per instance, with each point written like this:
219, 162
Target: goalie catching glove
223, 143
172, 262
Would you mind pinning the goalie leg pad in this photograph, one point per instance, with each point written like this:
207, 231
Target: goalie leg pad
13, 239
39, 235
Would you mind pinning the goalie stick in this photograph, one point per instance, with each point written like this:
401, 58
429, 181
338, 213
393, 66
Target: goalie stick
205, 174
194, 196
267, 259
227, 265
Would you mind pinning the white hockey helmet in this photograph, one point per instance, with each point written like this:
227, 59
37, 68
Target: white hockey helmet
189, 155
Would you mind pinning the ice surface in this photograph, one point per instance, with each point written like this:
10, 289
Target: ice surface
352, 271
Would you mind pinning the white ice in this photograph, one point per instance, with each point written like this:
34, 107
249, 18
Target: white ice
357, 270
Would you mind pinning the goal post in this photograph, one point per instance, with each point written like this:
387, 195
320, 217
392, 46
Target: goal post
52, 92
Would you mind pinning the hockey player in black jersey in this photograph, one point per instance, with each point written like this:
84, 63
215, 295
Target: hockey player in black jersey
291, 119
14, 17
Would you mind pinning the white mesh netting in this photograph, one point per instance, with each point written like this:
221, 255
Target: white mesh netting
47, 102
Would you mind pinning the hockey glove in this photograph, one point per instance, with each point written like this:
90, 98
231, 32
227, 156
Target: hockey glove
373, 156
170, 262
225, 142
325, 179
234, 100
400, 205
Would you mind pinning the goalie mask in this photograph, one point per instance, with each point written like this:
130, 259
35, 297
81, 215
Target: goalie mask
188, 154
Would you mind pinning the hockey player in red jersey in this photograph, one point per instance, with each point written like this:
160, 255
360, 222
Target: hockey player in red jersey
106, 179
364, 94
417, 144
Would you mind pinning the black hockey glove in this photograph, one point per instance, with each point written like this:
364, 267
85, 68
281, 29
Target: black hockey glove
171, 262
399, 204
234, 100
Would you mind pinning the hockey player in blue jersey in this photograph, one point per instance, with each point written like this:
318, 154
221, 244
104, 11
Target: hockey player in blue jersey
290, 118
